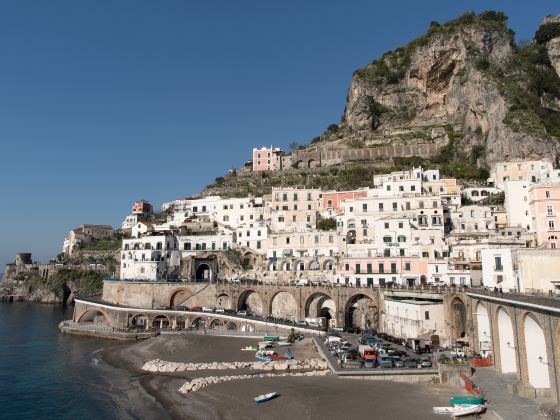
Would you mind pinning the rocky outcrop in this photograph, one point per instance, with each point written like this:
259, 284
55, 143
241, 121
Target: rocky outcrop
199, 383
464, 85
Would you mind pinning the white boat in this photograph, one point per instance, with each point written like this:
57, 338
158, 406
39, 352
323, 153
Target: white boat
284, 343
459, 410
264, 397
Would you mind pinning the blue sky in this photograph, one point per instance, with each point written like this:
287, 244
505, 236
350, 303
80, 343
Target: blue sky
105, 102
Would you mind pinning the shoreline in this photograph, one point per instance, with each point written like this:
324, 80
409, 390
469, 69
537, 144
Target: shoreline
300, 397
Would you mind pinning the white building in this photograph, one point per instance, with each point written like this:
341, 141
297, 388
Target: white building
409, 318
150, 258
497, 269
518, 212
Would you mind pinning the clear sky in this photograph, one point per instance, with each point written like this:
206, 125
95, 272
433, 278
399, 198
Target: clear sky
103, 102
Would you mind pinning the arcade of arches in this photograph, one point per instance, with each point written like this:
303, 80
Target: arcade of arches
361, 312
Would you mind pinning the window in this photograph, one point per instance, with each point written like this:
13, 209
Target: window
274, 240
401, 225
421, 204
281, 219
369, 268
381, 268
284, 197
395, 206
401, 188
407, 266
347, 267
295, 207
295, 197
213, 245
226, 218
413, 188
388, 187
547, 194
498, 264
364, 208
301, 239
294, 218
425, 254
358, 268
309, 207
308, 196
316, 239
401, 239
551, 225
426, 314
364, 232
549, 210
386, 239
393, 268
386, 225
387, 252
401, 252
329, 204
287, 239
331, 239
407, 205
434, 204
381, 207
258, 244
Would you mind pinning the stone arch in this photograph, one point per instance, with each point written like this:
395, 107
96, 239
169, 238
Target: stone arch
483, 331
161, 321
198, 322
287, 266
272, 266
299, 164
283, 305
299, 265
251, 301
361, 311
139, 321
320, 305
536, 353
216, 324
179, 296
507, 341
458, 319
180, 322
232, 326
96, 316
203, 272
329, 265
312, 163
224, 301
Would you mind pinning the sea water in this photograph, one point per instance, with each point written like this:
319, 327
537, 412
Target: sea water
48, 375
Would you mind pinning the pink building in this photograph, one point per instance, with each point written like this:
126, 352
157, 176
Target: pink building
373, 271
142, 207
544, 202
332, 200
268, 159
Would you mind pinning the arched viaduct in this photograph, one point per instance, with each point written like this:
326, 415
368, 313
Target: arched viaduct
523, 333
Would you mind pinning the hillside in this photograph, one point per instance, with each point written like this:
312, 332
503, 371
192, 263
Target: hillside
460, 97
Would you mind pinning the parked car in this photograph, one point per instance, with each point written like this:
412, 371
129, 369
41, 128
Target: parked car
370, 363
196, 308
182, 308
412, 363
385, 361
242, 313
368, 333
207, 309
397, 361
400, 353
426, 362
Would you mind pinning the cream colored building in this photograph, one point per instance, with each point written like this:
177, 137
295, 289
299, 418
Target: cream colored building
530, 170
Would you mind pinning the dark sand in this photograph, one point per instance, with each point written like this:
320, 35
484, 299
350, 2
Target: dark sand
300, 397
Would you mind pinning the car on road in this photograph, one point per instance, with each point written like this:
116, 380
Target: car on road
182, 308
400, 353
242, 313
301, 323
220, 311
207, 309
196, 309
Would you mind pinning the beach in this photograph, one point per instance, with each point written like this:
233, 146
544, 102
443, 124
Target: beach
323, 397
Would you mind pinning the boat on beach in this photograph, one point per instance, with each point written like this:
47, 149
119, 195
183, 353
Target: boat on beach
265, 344
265, 397
284, 343
460, 410
249, 348
467, 399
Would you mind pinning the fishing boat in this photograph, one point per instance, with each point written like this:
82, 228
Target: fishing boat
288, 356
271, 338
264, 397
249, 348
265, 344
284, 343
265, 355
460, 410
467, 399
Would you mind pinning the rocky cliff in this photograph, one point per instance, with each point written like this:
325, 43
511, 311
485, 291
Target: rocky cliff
466, 86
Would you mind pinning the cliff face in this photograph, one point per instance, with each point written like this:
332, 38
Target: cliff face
466, 82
